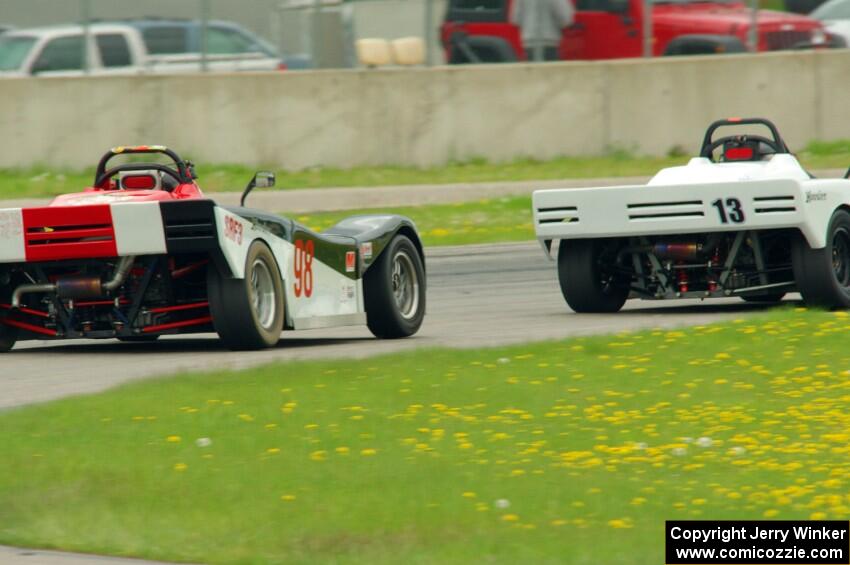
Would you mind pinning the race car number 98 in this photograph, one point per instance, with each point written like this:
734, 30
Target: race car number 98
303, 268
729, 210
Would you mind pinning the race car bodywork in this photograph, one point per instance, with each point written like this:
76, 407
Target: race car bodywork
143, 253
750, 222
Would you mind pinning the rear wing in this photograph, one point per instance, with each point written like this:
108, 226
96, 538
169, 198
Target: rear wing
625, 211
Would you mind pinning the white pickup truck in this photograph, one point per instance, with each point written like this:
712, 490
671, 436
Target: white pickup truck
750, 222
121, 49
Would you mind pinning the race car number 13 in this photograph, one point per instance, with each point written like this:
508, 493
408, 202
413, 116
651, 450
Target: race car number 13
303, 268
729, 210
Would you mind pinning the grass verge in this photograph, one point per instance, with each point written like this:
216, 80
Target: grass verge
39, 182
482, 221
572, 451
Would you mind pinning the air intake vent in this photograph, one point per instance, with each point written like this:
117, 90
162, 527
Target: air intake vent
189, 225
179, 230
774, 204
666, 210
57, 233
557, 215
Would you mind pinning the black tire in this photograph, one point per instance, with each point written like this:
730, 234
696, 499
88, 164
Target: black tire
242, 322
394, 290
8, 337
583, 283
823, 275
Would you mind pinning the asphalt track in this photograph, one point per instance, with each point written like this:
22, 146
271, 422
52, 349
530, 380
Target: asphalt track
478, 296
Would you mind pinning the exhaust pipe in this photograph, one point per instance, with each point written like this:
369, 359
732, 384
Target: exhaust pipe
78, 287
29, 289
121, 272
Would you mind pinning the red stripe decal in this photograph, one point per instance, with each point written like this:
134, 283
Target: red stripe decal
173, 325
29, 327
68, 232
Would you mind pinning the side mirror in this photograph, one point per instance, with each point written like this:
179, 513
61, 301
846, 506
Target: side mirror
262, 179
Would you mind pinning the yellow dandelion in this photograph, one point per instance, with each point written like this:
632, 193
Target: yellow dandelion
368, 451
510, 517
287, 497
468, 494
173, 439
273, 450
180, 467
620, 523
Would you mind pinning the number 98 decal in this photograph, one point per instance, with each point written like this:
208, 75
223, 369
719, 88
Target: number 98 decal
729, 210
303, 268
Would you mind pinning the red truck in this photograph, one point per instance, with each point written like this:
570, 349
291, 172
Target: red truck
479, 31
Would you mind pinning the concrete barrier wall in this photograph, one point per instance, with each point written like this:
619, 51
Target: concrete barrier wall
424, 116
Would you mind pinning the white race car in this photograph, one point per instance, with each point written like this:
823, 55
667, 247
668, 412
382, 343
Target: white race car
742, 219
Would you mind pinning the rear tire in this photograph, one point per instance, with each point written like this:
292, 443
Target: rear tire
394, 291
8, 337
823, 275
248, 313
584, 286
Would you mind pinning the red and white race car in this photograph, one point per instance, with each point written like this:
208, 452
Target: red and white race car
142, 253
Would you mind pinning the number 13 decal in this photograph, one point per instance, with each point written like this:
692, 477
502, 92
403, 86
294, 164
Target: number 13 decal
730, 210
303, 268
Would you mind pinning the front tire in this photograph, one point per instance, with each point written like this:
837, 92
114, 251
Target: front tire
394, 291
8, 337
823, 275
586, 288
248, 313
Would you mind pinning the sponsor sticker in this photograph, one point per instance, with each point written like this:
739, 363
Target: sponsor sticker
366, 250
812, 196
10, 225
347, 292
233, 229
350, 261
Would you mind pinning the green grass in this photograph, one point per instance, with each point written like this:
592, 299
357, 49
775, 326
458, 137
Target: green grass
572, 451
40, 181
482, 221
